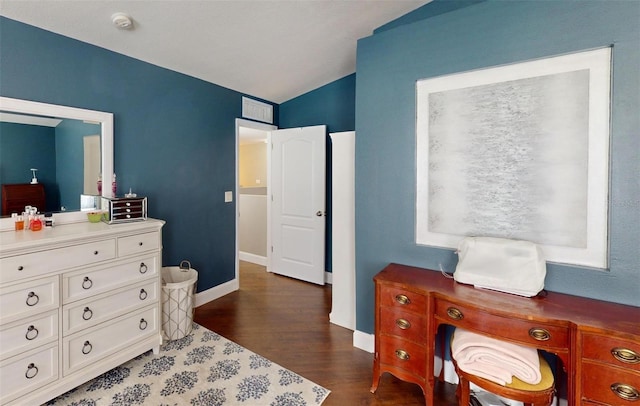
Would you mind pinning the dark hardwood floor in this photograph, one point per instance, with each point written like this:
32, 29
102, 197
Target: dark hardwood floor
287, 321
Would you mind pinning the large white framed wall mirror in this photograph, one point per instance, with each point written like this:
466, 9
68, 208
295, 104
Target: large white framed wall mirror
75, 175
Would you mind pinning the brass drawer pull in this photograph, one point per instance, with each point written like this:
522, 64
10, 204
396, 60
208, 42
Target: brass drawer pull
625, 355
143, 324
455, 314
626, 392
403, 324
402, 354
539, 334
143, 294
143, 267
403, 299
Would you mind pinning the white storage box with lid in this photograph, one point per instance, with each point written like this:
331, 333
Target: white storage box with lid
178, 290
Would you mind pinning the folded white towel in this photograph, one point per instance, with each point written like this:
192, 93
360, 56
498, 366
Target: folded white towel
495, 360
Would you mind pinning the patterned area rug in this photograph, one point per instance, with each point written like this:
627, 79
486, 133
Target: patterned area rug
202, 368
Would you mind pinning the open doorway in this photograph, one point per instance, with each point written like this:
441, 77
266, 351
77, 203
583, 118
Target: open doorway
252, 216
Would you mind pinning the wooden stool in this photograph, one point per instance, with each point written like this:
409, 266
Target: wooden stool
533, 395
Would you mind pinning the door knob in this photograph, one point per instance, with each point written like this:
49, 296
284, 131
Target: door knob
319, 213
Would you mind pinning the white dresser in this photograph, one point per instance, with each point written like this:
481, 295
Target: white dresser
76, 300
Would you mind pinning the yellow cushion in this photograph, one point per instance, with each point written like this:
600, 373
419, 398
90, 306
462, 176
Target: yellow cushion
545, 383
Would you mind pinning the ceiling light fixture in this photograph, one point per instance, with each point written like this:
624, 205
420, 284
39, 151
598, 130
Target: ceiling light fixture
122, 21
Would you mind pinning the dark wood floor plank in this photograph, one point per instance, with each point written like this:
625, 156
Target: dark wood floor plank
287, 321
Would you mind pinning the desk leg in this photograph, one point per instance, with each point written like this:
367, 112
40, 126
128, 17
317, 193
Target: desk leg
376, 375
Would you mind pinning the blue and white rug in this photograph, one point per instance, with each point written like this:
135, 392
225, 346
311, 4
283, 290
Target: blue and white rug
202, 368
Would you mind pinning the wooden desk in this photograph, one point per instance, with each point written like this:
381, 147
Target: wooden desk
16, 196
598, 342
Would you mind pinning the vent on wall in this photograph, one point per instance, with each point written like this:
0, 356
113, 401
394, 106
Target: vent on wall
255, 110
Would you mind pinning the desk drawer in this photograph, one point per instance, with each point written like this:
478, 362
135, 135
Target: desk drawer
527, 332
398, 322
612, 350
609, 384
397, 297
403, 354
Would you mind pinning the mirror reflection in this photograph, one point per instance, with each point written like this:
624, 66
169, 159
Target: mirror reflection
61, 155
55, 153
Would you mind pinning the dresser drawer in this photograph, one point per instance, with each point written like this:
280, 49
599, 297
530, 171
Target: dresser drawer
87, 347
82, 284
612, 350
44, 262
528, 332
29, 298
25, 373
137, 244
404, 354
610, 385
89, 312
27, 334
403, 324
397, 297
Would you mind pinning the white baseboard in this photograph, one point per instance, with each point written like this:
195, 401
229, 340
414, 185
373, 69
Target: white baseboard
328, 278
364, 341
253, 258
217, 292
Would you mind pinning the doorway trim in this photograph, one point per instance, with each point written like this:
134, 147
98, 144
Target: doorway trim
241, 122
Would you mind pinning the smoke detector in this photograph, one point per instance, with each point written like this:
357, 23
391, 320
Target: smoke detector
122, 21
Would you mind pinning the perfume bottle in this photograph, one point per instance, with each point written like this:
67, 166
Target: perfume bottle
36, 223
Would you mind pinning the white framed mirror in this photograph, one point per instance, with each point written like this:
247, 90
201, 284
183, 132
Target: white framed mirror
101, 120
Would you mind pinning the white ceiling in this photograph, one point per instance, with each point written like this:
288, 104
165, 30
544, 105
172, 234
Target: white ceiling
271, 49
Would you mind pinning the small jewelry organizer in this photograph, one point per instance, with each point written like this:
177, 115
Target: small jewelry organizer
123, 209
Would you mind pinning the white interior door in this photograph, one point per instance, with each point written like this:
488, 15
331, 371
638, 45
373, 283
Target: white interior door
297, 188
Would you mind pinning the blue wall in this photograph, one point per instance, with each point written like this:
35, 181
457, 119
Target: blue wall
487, 34
174, 135
23, 147
332, 105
